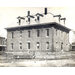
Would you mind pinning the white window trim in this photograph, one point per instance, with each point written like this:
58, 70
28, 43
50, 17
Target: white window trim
36, 46
19, 46
46, 46
46, 33
12, 35
27, 45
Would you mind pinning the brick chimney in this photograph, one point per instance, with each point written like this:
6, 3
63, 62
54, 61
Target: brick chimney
45, 11
63, 19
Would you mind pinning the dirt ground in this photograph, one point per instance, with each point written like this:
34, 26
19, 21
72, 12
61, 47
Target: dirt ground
67, 62
39, 63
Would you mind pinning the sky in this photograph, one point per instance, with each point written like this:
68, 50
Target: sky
8, 15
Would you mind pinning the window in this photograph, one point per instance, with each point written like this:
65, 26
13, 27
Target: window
11, 46
28, 33
20, 45
20, 34
47, 45
56, 32
56, 44
38, 45
3, 42
28, 45
73, 47
61, 33
62, 46
38, 32
47, 32
12, 35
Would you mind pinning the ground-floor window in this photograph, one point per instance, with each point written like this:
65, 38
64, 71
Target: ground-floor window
28, 45
20, 45
38, 45
11, 46
62, 46
73, 47
47, 45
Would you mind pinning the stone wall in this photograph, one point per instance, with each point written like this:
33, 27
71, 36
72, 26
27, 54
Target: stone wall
33, 39
61, 38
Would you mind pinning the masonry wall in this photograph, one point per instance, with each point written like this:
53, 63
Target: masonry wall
33, 39
61, 36
55, 39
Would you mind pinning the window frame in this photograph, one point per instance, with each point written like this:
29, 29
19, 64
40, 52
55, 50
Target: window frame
29, 35
47, 45
28, 45
38, 33
20, 34
38, 46
11, 46
47, 32
20, 46
12, 35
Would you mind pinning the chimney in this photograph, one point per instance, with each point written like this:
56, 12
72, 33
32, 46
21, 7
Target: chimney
63, 20
58, 17
28, 13
45, 11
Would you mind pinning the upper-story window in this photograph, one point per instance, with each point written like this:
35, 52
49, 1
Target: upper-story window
47, 32
38, 33
12, 35
29, 33
61, 33
20, 34
56, 32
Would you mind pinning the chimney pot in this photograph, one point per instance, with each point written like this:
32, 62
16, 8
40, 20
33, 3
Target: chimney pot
45, 11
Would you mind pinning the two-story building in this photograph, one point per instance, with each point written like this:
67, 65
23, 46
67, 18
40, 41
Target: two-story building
41, 37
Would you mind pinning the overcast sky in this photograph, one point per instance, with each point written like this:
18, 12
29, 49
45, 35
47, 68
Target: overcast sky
9, 14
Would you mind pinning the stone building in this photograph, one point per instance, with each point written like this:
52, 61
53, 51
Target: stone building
49, 36
40, 37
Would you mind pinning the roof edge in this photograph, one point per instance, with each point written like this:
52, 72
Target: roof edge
38, 25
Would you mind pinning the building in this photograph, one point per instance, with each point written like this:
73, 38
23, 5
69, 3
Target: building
72, 40
40, 37
2, 44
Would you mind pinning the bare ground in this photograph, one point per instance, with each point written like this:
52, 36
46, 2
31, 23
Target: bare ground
69, 62
39, 63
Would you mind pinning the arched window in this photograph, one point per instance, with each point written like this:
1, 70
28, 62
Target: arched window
38, 45
28, 45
